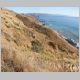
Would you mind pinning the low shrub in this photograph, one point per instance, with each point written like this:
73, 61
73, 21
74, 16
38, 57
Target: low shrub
61, 48
37, 46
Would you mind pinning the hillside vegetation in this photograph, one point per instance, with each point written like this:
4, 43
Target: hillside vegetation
29, 46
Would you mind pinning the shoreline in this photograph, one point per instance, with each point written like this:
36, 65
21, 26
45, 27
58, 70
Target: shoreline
69, 40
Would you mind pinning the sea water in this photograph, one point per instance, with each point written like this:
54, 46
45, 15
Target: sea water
65, 25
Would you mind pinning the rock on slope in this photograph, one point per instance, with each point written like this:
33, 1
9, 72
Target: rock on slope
27, 45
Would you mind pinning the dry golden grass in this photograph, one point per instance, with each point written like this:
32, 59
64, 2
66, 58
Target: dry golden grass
29, 46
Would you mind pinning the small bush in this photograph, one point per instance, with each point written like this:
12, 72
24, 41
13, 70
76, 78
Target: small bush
61, 48
17, 24
47, 55
7, 25
37, 46
28, 33
17, 41
52, 45
8, 37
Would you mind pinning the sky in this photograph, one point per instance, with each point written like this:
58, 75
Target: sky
68, 11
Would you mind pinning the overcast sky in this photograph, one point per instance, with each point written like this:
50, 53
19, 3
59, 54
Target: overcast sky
69, 11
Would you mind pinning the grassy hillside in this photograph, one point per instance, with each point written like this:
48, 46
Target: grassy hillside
28, 46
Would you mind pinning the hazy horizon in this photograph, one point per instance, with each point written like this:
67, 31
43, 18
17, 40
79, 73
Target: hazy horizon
67, 11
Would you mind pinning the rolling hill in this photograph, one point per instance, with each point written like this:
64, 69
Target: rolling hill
29, 46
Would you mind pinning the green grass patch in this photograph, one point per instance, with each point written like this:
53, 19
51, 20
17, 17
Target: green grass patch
37, 46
